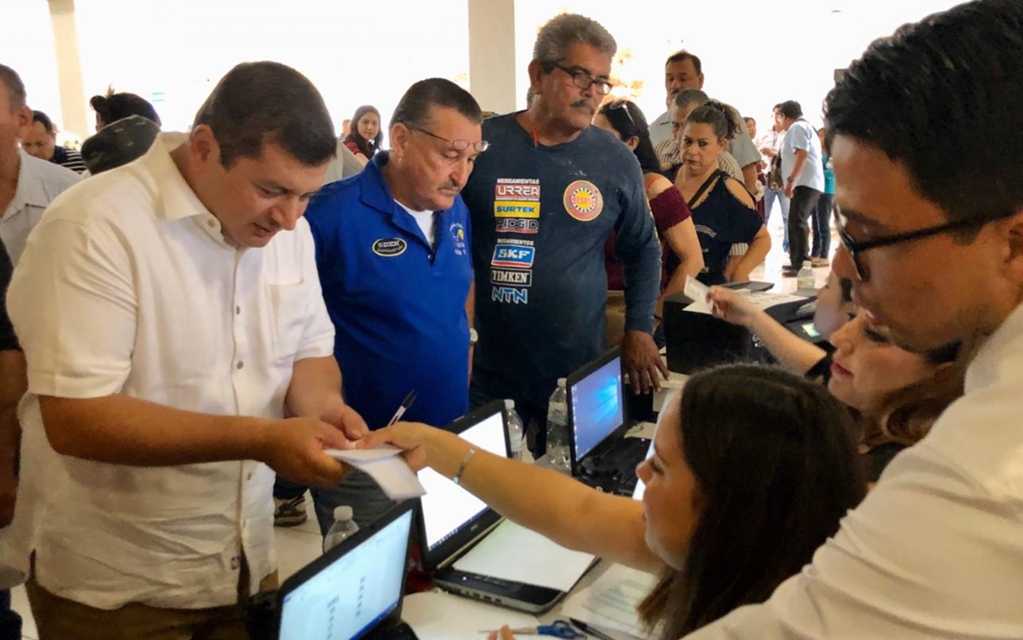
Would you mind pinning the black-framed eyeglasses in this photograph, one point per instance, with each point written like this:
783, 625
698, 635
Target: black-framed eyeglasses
856, 248
461, 146
584, 81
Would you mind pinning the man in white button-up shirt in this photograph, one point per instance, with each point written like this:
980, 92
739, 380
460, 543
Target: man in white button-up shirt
171, 317
932, 228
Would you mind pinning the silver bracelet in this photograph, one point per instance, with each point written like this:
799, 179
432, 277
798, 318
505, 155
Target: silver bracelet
461, 468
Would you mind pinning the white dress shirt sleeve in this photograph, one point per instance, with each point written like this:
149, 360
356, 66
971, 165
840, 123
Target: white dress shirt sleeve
74, 308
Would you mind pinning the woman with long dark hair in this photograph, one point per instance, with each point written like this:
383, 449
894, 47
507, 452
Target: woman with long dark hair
366, 134
680, 248
752, 470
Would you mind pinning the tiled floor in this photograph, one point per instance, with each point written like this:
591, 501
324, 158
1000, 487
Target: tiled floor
297, 546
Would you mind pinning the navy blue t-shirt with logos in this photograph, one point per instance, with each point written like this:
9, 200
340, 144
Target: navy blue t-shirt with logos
540, 216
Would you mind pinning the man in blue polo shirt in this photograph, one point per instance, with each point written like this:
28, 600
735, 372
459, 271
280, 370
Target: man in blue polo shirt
392, 247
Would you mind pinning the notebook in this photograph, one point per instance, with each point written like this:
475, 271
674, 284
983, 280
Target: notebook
354, 590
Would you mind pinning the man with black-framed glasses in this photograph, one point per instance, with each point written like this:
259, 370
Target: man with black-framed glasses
543, 201
932, 240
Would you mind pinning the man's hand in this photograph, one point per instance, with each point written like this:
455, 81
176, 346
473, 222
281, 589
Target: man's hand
789, 189
642, 361
8, 492
294, 449
347, 420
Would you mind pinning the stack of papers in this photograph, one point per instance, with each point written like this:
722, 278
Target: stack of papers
512, 552
440, 616
386, 467
611, 601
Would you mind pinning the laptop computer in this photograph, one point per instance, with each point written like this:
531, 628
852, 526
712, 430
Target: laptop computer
452, 521
601, 455
353, 591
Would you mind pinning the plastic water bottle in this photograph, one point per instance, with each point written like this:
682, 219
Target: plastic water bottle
805, 280
516, 433
557, 430
344, 526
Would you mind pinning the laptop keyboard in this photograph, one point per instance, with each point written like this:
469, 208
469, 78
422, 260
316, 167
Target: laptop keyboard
626, 455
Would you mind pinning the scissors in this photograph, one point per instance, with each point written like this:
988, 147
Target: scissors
557, 629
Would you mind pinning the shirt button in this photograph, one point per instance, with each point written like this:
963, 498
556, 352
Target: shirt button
234, 563
248, 476
240, 364
237, 310
210, 223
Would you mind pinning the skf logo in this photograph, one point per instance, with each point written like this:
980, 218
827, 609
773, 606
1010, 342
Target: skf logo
510, 295
513, 257
511, 209
517, 225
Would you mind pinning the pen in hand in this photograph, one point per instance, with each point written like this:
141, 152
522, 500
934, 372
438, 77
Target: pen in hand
406, 403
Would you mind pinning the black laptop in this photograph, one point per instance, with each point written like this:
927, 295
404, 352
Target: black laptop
353, 591
452, 521
601, 455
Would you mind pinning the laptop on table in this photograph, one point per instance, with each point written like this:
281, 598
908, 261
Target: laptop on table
452, 521
601, 455
353, 591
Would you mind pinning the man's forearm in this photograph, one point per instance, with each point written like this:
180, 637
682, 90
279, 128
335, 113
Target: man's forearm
749, 177
123, 430
642, 273
315, 387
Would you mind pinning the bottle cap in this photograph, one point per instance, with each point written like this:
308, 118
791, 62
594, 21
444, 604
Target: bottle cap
807, 263
562, 382
343, 513
509, 404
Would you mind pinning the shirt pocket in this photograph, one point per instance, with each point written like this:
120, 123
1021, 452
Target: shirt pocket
289, 306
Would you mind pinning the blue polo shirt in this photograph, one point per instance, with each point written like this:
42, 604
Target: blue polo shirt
398, 304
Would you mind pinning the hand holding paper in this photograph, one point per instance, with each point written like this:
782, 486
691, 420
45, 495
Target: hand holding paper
386, 467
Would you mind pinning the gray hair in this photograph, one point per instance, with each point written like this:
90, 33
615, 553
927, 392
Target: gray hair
16, 95
560, 32
687, 97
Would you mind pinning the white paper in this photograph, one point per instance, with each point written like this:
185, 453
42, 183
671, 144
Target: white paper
442, 616
697, 292
512, 552
763, 300
611, 601
386, 467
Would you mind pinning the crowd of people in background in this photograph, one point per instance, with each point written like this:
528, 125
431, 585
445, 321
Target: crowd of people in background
190, 319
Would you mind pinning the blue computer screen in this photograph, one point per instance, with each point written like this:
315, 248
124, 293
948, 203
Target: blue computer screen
597, 407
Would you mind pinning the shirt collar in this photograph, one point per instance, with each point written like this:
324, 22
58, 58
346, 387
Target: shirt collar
30, 190
177, 199
987, 365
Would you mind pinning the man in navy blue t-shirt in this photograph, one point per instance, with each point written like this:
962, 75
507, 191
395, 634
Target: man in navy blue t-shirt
392, 249
543, 201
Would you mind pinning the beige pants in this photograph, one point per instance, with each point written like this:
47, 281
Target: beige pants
61, 619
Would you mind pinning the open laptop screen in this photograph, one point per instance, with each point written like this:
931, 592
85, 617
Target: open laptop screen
347, 598
448, 508
597, 404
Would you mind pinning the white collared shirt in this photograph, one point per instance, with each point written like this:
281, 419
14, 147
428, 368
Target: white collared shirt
39, 182
935, 551
129, 287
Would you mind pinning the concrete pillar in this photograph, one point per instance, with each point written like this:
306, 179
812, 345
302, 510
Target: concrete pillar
492, 76
75, 115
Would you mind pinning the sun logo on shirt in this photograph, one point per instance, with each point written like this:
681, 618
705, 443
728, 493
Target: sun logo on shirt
583, 201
